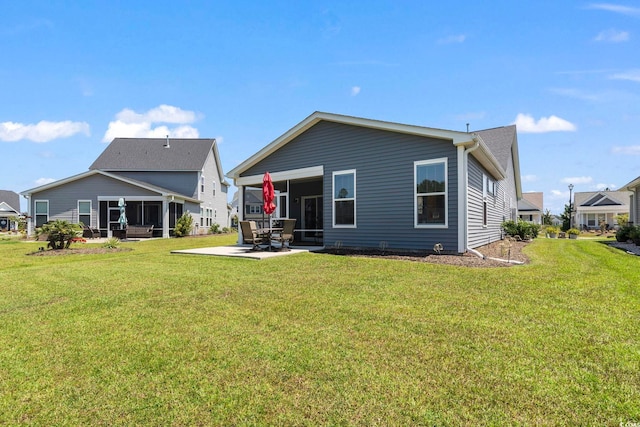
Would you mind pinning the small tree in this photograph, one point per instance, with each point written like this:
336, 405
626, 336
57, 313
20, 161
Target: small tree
566, 218
60, 233
622, 220
547, 218
184, 225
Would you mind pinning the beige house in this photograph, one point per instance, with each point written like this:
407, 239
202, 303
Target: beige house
530, 207
593, 207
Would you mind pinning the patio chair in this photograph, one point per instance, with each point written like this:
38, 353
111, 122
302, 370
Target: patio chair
286, 236
250, 234
90, 232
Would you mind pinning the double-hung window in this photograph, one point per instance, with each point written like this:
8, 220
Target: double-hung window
84, 212
344, 198
430, 186
42, 212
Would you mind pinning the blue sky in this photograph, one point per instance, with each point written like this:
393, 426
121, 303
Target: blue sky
73, 75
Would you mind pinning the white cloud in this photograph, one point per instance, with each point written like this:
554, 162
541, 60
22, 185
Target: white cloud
529, 178
527, 124
577, 180
601, 187
633, 75
613, 36
219, 139
459, 38
631, 150
44, 181
557, 194
42, 131
355, 90
616, 8
129, 124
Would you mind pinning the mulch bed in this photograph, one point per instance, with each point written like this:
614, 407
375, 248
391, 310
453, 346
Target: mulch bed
78, 251
503, 250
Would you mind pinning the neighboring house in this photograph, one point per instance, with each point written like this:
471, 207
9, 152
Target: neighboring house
366, 183
159, 180
253, 207
530, 207
9, 208
593, 207
634, 205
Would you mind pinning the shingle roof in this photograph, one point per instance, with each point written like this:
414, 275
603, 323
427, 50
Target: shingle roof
151, 154
499, 140
11, 198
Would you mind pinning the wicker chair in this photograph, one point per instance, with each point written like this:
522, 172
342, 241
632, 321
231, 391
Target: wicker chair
286, 236
250, 234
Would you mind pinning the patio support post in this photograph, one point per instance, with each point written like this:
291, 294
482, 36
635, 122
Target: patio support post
165, 218
240, 212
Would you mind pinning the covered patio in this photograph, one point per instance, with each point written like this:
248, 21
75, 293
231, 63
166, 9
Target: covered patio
299, 196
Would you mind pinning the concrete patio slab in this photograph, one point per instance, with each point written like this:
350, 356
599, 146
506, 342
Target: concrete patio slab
243, 251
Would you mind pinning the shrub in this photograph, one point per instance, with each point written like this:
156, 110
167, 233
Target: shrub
111, 243
215, 228
624, 233
574, 231
60, 233
523, 229
184, 225
634, 234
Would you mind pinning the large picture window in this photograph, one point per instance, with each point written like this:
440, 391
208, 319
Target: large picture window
84, 212
344, 198
431, 193
42, 212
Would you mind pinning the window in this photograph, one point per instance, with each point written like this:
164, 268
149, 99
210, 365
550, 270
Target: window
253, 209
431, 193
202, 184
42, 212
214, 188
84, 212
344, 198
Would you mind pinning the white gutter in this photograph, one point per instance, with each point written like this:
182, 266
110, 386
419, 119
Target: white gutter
463, 214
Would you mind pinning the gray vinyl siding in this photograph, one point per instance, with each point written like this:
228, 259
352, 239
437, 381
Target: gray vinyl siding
498, 206
63, 199
384, 165
181, 182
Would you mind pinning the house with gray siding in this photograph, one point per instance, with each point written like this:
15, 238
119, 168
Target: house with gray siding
362, 183
530, 207
634, 205
9, 209
159, 180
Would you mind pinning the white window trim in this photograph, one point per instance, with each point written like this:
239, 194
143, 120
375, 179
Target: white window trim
445, 192
333, 198
90, 211
35, 208
214, 189
202, 184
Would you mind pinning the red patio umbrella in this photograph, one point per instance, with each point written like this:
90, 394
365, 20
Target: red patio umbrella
268, 194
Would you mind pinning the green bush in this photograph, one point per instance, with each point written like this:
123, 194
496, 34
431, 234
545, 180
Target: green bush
215, 228
184, 225
60, 233
525, 230
574, 231
111, 243
624, 233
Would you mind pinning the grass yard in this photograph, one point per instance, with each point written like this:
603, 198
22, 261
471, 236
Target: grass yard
149, 338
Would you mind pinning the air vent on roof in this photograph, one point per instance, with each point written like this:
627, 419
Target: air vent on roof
166, 144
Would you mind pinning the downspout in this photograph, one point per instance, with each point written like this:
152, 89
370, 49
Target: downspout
240, 210
464, 243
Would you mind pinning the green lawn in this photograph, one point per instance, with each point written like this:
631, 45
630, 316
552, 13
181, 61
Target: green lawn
149, 338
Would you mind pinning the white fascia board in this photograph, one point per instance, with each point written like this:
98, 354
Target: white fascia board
456, 137
256, 180
485, 157
59, 182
